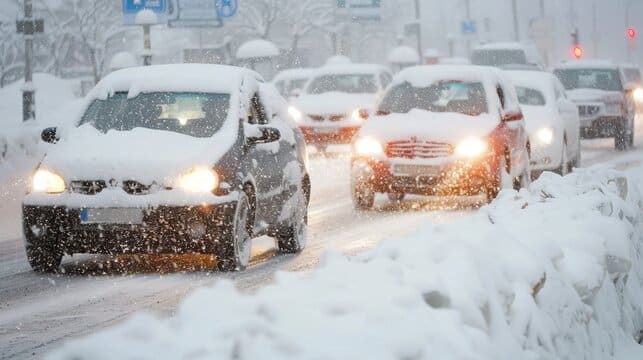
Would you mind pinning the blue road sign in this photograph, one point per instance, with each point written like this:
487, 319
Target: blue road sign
227, 8
132, 7
469, 27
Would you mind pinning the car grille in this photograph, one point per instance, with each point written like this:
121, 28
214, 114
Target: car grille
327, 117
93, 187
411, 149
588, 110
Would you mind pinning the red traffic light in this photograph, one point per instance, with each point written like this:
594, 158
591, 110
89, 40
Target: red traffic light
578, 51
631, 33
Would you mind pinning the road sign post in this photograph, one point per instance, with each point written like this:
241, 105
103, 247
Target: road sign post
29, 27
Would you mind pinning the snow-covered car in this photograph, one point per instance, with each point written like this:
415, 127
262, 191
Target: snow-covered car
603, 98
552, 121
171, 159
442, 130
291, 82
510, 53
336, 102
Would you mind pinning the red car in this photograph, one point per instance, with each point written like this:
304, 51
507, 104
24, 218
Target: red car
442, 130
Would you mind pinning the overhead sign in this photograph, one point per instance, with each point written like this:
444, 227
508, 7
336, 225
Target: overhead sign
469, 27
362, 10
227, 8
200, 13
133, 7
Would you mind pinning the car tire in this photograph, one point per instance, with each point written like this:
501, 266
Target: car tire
43, 259
233, 250
292, 239
498, 181
564, 168
363, 196
623, 137
576, 163
396, 196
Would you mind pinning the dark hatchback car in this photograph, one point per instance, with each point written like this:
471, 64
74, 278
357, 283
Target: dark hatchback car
171, 159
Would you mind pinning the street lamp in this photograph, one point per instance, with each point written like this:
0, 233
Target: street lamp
631, 40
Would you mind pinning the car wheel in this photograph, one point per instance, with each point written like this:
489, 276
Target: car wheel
621, 138
233, 252
363, 196
563, 170
396, 196
292, 239
500, 180
43, 259
578, 158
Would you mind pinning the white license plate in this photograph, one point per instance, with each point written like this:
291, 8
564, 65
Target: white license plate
416, 170
326, 130
111, 216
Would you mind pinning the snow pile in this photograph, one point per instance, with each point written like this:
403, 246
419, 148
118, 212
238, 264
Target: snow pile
258, 48
403, 55
551, 272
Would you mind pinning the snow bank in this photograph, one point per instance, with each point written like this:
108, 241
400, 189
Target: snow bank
551, 272
258, 48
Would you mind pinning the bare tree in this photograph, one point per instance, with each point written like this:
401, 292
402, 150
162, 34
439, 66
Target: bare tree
306, 16
11, 54
257, 18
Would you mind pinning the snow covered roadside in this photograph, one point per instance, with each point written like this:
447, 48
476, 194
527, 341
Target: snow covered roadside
553, 272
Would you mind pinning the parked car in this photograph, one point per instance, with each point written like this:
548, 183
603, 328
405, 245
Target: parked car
336, 101
632, 75
552, 121
511, 53
604, 100
291, 82
442, 130
171, 159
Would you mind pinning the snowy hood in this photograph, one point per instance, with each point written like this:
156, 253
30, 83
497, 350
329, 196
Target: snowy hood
142, 155
443, 127
538, 117
593, 95
334, 103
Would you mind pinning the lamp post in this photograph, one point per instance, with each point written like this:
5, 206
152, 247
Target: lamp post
146, 18
631, 42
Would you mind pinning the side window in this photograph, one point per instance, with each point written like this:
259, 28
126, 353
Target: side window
385, 79
257, 112
501, 96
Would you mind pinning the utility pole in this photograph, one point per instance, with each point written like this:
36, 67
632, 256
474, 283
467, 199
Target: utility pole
467, 4
631, 42
29, 27
595, 28
418, 18
514, 9
542, 8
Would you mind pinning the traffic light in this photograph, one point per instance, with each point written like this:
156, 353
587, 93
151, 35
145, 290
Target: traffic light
578, 51
631, 33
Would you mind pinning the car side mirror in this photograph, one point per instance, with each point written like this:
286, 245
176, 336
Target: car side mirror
50, 135
512, 116
263, 135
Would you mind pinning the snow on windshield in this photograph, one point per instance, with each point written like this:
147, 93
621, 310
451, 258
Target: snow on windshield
347, 83
448, 96
601, 79
194, 114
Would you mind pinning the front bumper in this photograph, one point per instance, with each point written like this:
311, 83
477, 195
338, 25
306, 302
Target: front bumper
449, 177
339, 135
163, 229
546, 157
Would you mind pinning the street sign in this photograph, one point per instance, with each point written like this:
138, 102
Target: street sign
361, 10
133, 7
30, 27
200, 13
469, 27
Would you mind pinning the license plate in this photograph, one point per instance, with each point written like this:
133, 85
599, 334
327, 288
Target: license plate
111, 216
326, 130
416, 170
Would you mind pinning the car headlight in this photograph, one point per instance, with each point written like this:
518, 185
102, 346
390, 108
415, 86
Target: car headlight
368, 146
473, 147
545, 135
199, 180
45, 181
638, 95
296, 114
359, 115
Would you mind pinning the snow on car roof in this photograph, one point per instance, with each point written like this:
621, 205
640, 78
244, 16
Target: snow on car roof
341, 69
425, 75
257, 48
533, 79
587, 64
298, 73
403, 55
501, 45
176, 77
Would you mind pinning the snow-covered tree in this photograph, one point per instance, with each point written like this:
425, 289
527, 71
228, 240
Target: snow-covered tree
306, 16
11, 53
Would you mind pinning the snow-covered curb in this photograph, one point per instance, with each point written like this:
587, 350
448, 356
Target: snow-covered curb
551, 272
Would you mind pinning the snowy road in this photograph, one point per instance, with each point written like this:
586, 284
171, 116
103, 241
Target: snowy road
39, 312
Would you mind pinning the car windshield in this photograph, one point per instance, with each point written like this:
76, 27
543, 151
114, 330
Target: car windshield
601, 79
498, 57
528, 96
193, 114
350, 83
446, 96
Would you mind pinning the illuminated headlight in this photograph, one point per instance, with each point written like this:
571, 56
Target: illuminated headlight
199, 180
545, 136
638, 95
472, 148
368, 146
359, 115
296, 114
45, 181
